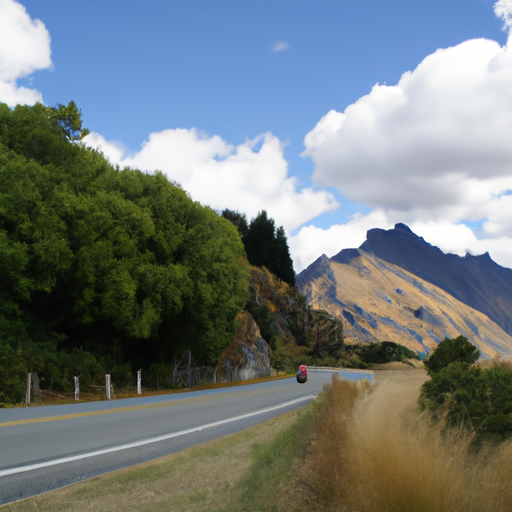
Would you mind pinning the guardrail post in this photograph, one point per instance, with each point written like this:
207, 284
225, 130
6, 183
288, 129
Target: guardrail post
139, 382
107, 385
77, 387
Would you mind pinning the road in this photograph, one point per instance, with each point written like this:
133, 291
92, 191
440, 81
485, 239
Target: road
44, 448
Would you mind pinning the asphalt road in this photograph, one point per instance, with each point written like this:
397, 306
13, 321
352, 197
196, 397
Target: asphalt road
44, 448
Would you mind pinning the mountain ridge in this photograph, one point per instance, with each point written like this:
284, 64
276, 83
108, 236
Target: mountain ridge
415, 299
477, 281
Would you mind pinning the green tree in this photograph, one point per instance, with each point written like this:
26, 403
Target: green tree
451, 351
239, 220
69, 118
267, 247
116, 264
12, 374
384, 352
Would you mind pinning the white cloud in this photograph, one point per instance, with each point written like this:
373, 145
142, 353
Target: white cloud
113, 150
499, 218
503, 9
24, 48
437, 143
311, 242
433, 151
461, 239
249, 178
280, 46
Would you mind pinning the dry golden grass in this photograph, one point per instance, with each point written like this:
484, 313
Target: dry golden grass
374, 451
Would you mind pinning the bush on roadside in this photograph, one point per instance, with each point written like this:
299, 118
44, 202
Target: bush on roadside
377, 452
475, 399
451, 351
12, 374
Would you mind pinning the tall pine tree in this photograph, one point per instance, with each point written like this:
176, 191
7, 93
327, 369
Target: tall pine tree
267, 247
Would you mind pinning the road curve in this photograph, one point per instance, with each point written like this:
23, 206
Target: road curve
44, 448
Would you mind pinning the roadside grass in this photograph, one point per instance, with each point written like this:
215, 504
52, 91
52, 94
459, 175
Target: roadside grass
267, 485
374, 451
357, 448
244, 471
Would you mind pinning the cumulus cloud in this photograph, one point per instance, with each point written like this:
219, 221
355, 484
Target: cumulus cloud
113, 150
311, 242
503, 9
437, 143
433, 151
249, 177
280, 46
24, 48
461, 239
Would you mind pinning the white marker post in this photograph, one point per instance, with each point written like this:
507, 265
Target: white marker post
77, 387
29, 386
107, 385
139, 382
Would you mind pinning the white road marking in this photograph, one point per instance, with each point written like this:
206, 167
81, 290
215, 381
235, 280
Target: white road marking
136, 444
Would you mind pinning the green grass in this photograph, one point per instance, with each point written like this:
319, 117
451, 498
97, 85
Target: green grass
265, 487
244, 471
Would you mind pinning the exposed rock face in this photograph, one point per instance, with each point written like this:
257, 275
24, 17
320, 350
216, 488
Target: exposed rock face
288, 316
248, 356
379, 301
277, 317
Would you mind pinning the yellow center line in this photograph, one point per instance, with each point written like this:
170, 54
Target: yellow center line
158, 405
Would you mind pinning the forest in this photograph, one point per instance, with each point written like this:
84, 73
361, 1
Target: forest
102, 267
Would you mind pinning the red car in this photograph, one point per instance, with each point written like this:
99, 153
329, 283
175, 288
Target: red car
302, 374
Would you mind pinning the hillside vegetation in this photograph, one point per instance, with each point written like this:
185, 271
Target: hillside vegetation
108, 270
296, 333
103, 268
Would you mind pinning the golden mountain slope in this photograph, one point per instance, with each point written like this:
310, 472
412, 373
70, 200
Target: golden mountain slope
378, 301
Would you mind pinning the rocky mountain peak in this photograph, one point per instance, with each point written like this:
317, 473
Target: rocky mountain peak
399, 287
477, 281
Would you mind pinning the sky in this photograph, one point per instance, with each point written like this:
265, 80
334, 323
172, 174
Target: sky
335, 117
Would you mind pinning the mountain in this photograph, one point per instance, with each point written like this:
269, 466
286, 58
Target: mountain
397, 287
476, 281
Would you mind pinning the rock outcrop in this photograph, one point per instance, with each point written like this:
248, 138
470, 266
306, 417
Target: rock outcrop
278, 319
248, 356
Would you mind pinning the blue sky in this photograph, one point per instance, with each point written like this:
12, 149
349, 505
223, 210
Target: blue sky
227, 72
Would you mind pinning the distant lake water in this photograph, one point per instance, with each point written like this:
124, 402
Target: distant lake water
349, 374
357, 376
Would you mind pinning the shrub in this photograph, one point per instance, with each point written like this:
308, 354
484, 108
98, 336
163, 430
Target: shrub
12, 374
475, 399
384, 352
451, 351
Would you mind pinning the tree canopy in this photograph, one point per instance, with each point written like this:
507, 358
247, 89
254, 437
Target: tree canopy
118, 263
265, 245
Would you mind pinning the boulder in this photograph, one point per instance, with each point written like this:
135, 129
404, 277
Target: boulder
248, 355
